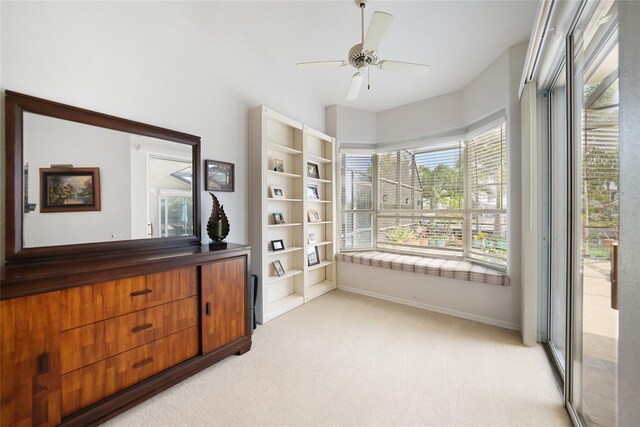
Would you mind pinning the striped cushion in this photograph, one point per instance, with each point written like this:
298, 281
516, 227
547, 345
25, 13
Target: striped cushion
453, 269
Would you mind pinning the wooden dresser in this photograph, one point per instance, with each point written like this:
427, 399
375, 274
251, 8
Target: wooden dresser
83, 341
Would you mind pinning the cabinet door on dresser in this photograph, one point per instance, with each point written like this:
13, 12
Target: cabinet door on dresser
223, 302
30, 360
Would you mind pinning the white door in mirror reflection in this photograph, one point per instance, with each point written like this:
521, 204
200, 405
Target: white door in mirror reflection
170, 204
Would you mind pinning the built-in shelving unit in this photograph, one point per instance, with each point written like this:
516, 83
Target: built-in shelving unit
301, 151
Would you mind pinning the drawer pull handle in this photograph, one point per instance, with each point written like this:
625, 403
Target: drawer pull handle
142, 327
43, 363
142, 292
142, 363
207, 309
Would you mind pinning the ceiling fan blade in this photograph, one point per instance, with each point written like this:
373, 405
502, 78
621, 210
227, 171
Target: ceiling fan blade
379, 23
418, 70
354, 88
320, 64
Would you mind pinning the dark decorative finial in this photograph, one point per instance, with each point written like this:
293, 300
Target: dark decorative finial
218, 225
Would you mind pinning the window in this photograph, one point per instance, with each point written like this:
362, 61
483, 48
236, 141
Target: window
487, 204
357, 201
446, 201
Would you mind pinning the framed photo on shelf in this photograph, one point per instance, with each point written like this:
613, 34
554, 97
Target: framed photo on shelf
69, 189
278, 266
277, 245
279, 165
312, 192
311, 238
277, 192
278, 218
219, 176
312, 170
314, 216
313, 256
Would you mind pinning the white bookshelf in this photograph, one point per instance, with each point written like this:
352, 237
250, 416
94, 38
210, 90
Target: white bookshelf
274, 136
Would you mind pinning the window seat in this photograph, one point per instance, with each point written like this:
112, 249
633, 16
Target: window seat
454, 269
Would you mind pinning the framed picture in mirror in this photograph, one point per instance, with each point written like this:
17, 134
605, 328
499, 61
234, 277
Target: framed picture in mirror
70, 189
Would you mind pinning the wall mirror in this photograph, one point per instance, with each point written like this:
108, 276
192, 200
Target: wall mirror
81, 182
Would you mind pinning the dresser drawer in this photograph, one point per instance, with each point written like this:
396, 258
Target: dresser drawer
91, 343
92, 303
85, 386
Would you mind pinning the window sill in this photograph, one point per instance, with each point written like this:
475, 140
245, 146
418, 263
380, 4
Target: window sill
453, 269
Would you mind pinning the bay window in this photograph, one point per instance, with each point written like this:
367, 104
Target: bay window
444, 201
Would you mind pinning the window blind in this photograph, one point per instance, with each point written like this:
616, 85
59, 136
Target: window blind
487, 201
357, 201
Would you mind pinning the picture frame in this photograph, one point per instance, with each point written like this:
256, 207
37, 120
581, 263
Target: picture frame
219, 176
279, 165
311, 238
313, 171
69, 189
313, 256
279, 268
277, 192
312, 192
313, 215
278, 218
277, 245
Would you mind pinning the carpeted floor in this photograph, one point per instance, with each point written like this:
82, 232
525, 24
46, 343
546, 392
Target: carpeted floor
346, 359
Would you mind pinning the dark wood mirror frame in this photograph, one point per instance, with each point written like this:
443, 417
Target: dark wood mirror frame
15, 105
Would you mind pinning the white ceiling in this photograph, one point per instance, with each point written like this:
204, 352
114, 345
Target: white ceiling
458, 39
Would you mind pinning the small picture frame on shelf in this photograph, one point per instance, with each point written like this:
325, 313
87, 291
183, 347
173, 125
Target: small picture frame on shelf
277, 192
311, 238
313, 256
277, 245
279, 165
314, 216
313, 171
312, 192
278, 267
278, 218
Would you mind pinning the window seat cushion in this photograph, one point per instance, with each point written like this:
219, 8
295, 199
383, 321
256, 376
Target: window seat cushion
454, 269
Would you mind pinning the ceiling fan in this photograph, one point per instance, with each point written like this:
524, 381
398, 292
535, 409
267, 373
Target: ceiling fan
364, 55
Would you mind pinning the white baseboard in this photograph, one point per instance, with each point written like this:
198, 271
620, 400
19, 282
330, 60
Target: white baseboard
441, 310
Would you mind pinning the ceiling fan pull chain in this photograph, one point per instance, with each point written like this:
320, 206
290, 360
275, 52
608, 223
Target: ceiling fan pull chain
368, 79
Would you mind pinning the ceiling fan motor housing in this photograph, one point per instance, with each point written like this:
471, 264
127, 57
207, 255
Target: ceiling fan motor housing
362, 58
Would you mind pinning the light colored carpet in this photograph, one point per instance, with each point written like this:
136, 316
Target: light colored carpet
346, 359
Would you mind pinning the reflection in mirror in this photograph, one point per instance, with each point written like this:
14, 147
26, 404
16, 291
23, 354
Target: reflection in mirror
144, 183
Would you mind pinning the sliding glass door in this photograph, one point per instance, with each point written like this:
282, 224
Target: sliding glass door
559, 179
594, 218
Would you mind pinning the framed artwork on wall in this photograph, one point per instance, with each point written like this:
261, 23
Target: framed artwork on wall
69, 189
219, 176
